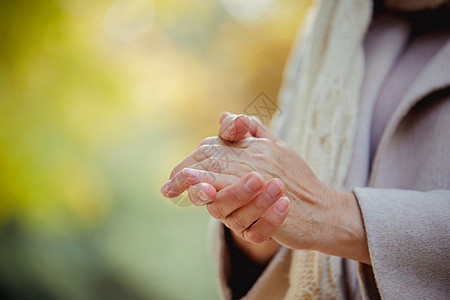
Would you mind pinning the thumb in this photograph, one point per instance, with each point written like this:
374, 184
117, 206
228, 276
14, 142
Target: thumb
224, 115
237, 127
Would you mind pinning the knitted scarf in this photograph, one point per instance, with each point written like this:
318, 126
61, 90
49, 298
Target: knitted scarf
319, 104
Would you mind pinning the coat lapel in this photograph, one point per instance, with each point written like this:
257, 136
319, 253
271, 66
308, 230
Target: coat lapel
434, 77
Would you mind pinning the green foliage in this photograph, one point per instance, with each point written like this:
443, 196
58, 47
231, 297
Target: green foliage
90, 128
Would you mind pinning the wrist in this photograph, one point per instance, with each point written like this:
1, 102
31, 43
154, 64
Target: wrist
348, 236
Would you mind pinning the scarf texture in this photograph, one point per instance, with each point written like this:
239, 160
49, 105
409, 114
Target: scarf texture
319, 106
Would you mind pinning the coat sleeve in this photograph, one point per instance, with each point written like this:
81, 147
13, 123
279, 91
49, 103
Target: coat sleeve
408, 233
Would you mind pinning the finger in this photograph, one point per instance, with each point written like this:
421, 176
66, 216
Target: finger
191, 176
258, 129
221, 166
244, 217
237, 127
233, 128
224, 115
202, 193
208, 148
266, 226
236, 195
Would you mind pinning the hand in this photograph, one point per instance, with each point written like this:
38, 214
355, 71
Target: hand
235, 128
251, 209
226, 163
320, 218
219, 164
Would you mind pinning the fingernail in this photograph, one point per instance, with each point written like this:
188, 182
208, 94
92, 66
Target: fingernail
191, 173
200, 193
202, 196
165, 188
282, 205
274, 188
253, 183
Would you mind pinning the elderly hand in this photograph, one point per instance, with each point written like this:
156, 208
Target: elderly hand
319, 217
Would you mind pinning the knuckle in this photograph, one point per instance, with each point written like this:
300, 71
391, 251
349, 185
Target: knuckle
185, 178
203, 152
215, 211
260, 146
206, 176
265, 142
254, 237
206, 164
211, 140
179, 179
233, 195
236, 223
260, 203
216, 164
270, 223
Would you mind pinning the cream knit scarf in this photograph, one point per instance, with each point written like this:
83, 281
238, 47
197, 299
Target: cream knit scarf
319, 104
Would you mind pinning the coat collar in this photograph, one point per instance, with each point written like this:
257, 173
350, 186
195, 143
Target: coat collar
434, 77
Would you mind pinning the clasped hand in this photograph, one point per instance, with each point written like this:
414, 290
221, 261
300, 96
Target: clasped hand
261, 189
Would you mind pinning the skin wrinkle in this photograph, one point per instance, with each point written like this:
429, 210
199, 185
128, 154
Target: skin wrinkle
208, 152
314, 225
267, 199
236, 223
318, 216
239, 222
247, 166
255, 237
213, 164
206, 144
206, 176
232, 168
304, 194
236, 198
241, 144
260, 208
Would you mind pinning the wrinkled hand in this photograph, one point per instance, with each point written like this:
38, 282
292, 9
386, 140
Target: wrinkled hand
319, 217
251, 208
219, 163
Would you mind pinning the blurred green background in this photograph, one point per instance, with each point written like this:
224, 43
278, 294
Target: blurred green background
98, 101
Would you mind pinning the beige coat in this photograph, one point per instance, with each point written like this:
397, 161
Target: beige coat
406, 206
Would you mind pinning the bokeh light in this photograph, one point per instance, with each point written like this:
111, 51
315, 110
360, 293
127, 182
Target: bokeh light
98, 101
248, 10
129, 20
